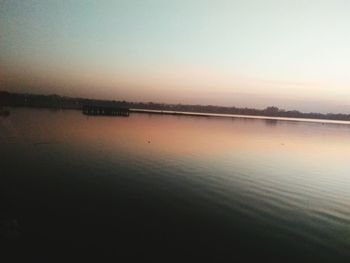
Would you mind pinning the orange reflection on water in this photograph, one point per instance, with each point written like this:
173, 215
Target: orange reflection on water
179, 135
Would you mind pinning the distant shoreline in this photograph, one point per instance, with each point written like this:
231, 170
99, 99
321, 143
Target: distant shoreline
272, 113
200, 114
210, 115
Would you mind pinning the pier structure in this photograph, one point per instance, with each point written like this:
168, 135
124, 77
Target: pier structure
105, 110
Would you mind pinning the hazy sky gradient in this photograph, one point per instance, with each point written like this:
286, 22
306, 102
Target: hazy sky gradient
292, 54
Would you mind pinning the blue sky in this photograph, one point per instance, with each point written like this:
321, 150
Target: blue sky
293, 54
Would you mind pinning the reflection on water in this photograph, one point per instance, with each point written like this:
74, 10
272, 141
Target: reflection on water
174, 187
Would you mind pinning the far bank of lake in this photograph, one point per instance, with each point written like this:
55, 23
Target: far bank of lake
201, 114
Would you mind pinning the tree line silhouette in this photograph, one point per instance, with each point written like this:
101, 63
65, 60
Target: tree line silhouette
63, 102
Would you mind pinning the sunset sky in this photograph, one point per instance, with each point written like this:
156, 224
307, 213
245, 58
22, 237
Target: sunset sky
252, 53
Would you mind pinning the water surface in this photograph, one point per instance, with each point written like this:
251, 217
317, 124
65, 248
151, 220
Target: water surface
173, 188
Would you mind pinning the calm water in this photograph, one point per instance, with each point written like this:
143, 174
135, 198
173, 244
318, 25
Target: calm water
173, 188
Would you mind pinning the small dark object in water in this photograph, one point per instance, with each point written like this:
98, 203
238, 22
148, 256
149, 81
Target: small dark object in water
42, 143
4, 113
9, 229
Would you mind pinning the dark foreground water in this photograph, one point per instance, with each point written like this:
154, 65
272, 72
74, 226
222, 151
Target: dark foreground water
172, 189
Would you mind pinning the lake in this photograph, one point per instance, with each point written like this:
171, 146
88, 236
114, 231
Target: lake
172, 188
